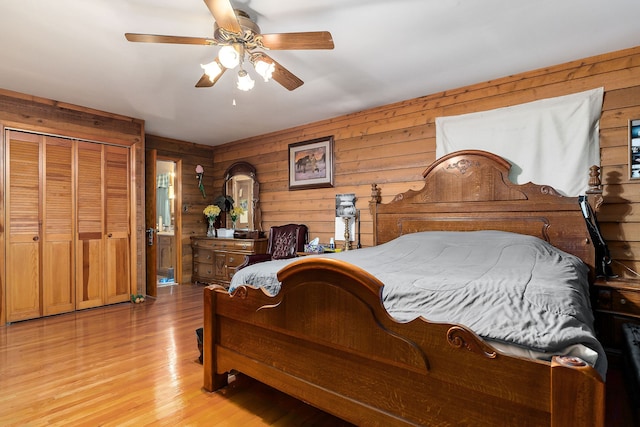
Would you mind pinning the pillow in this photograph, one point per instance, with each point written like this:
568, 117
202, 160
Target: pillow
284, 245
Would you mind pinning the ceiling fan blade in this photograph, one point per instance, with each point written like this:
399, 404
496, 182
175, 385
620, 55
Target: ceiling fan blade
283, 76
224, 15
291, 41
205, 81
154, 38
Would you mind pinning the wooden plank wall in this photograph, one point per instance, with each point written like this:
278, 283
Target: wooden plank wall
393, 144
193, 220
41, 115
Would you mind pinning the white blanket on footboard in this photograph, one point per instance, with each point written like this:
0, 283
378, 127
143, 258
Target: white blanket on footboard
507, 288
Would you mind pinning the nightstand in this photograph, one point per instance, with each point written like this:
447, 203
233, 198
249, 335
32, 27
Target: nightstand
615, 302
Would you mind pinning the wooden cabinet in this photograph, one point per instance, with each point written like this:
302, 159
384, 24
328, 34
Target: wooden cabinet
215, 260
616, 301
64, 249
165, 253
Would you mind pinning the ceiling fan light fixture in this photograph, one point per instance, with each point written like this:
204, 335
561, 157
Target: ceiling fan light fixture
265, 69
229, 56
213, 69
245, 82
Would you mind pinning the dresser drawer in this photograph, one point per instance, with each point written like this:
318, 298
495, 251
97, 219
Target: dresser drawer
215, 260
234, 245
619, 301
625, 302
225, 244
203, 271
234, 259
202, 255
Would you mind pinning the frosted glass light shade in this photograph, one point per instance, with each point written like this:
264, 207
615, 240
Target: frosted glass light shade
229, 57
212, 69
265, 69
245, 82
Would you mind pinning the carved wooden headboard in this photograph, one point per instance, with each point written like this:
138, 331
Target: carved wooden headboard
470, 190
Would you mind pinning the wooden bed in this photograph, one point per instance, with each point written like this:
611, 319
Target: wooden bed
326, 338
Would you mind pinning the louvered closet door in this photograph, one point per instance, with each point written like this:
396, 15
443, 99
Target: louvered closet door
23, 296
58, 219
117, 215
90, 246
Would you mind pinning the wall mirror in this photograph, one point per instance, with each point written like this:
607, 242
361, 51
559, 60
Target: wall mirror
241, 184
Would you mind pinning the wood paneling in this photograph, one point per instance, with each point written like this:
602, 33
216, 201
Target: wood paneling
391, 145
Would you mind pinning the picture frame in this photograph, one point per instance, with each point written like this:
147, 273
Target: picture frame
634, 149
311, 164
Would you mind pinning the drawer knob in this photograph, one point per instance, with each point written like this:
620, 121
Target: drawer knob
623, 301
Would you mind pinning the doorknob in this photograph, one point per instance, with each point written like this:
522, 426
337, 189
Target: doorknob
150, 232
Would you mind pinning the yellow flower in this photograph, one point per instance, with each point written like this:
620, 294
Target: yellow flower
236, 212
211, 211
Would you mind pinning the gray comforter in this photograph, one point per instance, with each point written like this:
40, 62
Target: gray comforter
506, 287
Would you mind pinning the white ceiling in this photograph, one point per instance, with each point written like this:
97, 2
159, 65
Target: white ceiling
385, 51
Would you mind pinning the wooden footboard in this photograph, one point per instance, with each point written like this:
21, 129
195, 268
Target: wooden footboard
326, 339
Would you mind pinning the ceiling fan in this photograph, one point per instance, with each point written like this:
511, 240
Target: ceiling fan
240, 39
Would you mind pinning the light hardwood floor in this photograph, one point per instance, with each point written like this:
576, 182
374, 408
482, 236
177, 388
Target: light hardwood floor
136, 365
129, 365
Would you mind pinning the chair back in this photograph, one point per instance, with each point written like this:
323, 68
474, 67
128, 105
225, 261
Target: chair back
286, 240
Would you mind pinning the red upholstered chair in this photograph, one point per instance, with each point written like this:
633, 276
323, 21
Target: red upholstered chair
284, 242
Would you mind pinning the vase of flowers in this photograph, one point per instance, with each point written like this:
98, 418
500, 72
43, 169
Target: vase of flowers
211, 212
235, 214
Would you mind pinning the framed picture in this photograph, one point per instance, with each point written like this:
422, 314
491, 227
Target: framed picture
311, 164
634, 149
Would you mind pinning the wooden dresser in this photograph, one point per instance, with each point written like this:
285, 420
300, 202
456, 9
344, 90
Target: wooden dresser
616, 301
215, 260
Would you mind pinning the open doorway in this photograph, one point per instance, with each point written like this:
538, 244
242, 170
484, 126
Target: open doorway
163, 221
166, 222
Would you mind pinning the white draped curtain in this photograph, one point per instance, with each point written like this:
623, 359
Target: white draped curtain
552, 141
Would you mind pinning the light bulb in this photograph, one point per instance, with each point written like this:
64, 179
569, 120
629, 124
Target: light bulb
245, 82
228, 56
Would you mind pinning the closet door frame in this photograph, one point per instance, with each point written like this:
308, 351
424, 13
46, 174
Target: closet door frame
115, 264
